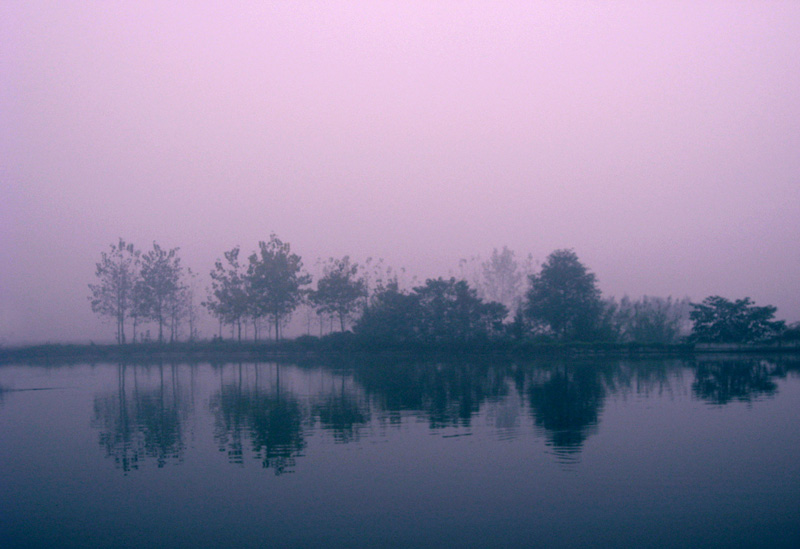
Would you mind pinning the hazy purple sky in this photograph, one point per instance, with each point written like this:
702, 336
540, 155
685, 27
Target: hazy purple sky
661, 141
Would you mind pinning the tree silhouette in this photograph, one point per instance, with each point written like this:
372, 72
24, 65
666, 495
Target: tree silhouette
276, 280
340, 291
118, 276
161, 285
718, 320
229, 299
438, 312
563, 298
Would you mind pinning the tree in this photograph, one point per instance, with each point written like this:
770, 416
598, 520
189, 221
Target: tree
652, 319
191, 306
161, 285
117, 274
449, 310
440, 311
340, 291
276, 280
229, 298
501, 279
563, 298
719, 320
389, 316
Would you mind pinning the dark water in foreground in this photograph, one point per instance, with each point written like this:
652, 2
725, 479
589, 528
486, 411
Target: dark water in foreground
471, 453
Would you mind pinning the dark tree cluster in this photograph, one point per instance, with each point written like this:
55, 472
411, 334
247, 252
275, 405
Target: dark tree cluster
440, 311
719, 320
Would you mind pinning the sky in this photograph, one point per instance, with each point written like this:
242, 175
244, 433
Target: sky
660, 141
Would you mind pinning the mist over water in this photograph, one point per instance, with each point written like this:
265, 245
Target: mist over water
659, 141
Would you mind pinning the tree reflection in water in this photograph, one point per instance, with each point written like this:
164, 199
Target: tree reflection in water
723, 381
565, 402
449, 394
271, 419
342, 412
257, 412
144, 418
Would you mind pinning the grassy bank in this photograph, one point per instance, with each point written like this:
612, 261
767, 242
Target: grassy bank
307, 346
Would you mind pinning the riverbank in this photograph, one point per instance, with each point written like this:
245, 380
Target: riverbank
307, 347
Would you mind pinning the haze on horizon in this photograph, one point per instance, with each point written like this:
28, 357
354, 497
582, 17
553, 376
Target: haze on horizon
658, 140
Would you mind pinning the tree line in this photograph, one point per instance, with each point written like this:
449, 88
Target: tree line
508, 300
142, 287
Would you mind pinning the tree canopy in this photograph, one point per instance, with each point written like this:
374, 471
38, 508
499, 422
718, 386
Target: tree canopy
161, 280
719, 320
229, 298
276, 279
117, 276
440, 311
563, 298
341, 290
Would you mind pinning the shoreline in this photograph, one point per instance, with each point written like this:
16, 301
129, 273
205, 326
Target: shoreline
322, 348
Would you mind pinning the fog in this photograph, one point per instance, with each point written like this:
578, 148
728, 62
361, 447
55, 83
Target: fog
658, 140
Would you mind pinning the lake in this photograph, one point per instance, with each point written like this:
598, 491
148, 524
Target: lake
469, 452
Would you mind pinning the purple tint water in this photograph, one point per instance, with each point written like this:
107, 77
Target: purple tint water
562, 453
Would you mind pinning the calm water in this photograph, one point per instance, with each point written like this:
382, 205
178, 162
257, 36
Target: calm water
471, 453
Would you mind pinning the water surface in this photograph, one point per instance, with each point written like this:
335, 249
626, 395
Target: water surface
479, 452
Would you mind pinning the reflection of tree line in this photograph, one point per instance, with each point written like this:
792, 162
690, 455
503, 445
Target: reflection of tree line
143, 419
724, 381
256, 413
270, 419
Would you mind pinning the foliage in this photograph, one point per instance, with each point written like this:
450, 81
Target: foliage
563, 298
502, 279
161, 286
440, 311
276, 281
449, 310
340, 291
792, 333
719, 320
652, 319
229, 299
114, 293
388, 316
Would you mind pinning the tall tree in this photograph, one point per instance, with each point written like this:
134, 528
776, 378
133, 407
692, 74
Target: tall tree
563, 298
229, 298
161, 284
113, 294
341, 290
276, 279
719, 320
